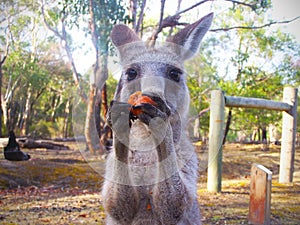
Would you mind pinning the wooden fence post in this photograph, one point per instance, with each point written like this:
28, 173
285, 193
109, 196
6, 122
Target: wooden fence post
260, 195
288, 139
217, 111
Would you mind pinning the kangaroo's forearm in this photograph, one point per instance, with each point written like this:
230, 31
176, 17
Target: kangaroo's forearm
171, 194
120, 201
121, 151
166, 149
172, 197
120, 198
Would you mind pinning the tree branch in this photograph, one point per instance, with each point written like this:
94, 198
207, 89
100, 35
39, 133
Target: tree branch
47, 24
201, 113
133, 9
141, 16
170, 21
160, 25
191, 7
177, 10
5, 53
63, 38
6, 48
252, 6
255, 27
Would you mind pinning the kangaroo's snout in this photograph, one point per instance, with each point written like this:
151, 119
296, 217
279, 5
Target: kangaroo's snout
154, 96
154, 85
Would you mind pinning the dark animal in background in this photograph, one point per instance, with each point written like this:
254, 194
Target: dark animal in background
12, 150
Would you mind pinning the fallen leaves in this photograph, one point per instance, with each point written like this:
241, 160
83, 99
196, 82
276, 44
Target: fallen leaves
60, 188
57, 208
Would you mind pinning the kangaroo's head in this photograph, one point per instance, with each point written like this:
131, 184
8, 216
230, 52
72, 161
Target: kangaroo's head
158, 70
152, 129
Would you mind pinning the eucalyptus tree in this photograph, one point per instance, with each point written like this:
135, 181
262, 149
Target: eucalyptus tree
241, 55
19, 39
98, 17
30, 67
257, 66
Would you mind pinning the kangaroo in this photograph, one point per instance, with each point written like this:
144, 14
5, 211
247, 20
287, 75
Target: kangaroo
151, 172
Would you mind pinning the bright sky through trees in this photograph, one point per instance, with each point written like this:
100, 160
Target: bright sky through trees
282, 10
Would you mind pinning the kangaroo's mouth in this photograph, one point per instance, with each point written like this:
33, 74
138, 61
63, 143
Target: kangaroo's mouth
146, 106
137, 99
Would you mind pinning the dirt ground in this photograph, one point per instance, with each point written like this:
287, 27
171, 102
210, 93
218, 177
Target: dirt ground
59, 187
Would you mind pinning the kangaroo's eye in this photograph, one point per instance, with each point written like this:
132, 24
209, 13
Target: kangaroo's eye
175, 74
131, 74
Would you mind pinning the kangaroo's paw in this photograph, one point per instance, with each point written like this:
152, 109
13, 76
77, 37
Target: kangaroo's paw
148, 111
118, 116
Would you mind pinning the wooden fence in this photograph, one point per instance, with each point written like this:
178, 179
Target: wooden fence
216, 132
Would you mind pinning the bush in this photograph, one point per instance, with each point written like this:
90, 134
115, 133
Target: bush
44, 129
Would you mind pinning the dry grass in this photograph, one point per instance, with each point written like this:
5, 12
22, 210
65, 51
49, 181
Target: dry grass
59, 187
231, 206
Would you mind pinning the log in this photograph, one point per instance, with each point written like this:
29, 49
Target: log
70, 139
31, 143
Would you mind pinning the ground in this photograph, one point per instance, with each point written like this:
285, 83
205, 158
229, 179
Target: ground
59, 187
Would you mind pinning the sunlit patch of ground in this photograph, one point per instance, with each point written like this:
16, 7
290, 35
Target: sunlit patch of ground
59, 187
231, 206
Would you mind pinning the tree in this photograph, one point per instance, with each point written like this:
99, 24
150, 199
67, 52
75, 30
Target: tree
201, 79
35, 80
31, 68
102, 14
255, 71
20, 30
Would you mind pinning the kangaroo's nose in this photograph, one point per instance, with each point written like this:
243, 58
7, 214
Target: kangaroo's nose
153, 85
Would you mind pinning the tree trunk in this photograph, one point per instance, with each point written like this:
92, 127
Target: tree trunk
227, 125
254, 134
92, 138
264, 139
25, 124
264, 134
93, 114
133, 12
1, 112
106, 132
196, 128
4, 111
55, 107
104, 100
98, 112
2, 61
140, 20
67, 119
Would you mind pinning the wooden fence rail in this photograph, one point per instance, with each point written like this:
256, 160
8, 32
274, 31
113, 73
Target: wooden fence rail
256, 103
216, 132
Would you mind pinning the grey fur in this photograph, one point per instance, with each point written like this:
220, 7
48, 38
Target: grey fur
151, 174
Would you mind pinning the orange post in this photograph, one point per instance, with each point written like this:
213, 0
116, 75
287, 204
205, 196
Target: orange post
260, 195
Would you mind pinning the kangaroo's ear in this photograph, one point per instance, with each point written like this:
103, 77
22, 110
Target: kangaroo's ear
121, 35
190, 36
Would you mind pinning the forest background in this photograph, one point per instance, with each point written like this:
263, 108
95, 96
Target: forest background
58, 71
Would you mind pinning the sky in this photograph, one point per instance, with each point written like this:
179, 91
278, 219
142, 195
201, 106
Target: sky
287, 9
282, 10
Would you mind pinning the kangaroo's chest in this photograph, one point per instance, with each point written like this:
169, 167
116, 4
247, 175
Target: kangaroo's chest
141, 139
